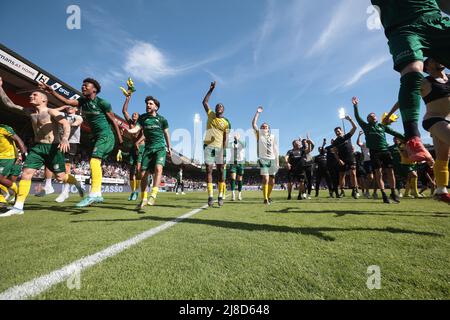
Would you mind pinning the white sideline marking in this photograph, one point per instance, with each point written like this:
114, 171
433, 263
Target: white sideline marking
39, 285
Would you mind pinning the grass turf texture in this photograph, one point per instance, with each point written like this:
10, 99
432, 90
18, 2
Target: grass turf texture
313, 249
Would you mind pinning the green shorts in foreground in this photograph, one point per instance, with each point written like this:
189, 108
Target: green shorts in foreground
268, 167
6, 166
429, 37
47, 155
214, 155
238, 169
152, 158
103, 147
16, 170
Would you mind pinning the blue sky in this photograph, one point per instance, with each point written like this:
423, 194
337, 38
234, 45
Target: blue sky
300, 59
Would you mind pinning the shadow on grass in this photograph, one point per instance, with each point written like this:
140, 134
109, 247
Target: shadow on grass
317, 232
342, 213
60, 209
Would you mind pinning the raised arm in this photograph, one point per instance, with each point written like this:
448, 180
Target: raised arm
359, 142
393, 110
354, 127
394, 133
255, 119
125, 109
7, 101
208, 95
310, 142
112, 119
46, 88
361, 122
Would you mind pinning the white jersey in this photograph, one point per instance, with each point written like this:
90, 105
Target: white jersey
237, 152
75, 132
267, 149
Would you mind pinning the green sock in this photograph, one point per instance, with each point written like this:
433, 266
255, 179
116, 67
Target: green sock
240, 184
409, 100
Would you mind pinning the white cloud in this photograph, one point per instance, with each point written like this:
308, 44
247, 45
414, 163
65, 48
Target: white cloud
367, 68
147, 63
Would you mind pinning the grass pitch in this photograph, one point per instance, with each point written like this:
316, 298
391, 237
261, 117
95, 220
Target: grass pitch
312, 249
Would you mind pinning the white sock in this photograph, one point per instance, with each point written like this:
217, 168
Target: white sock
66, 188
18, 205
48, 183
441, 190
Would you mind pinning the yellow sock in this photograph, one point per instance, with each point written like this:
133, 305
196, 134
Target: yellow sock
441, 173
154, 193
222, 189
138, 185
70, 179
133, 185
15, 188
210, 190
414, 187
4, 189
144, 195
407, 188
270, 191
266, 191
96, 174
2, 198
24, 190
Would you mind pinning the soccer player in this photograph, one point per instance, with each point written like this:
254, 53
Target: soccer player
180, 182
99, 115
155, 128
367, 165
414, 28
308, 147
237, 167
322, 170
379, 154
345, 156
407, 171
268, 155
136, 150
295, 165
215, 143
75, 121
435, 91
49, 146
8, 160
333, 168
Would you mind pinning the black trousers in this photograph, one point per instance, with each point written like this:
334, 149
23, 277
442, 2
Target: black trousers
322, 173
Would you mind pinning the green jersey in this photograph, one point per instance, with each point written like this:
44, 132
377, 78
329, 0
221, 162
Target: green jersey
376, 133
153, 127
398, 13
95, 113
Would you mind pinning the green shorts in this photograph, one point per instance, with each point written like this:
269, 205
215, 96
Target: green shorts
268, 167
136, 157
214, 155
429, 37
16, 170
103, 146
238, 169
6, 166
406, 169
152, 158
47, 155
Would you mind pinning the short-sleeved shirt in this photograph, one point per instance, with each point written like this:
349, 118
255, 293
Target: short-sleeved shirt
295, 158
7, 145
266, 146
398, 13
95, 112
238, 151
344, 146
74, 131
215, 130
153, 127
